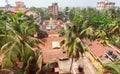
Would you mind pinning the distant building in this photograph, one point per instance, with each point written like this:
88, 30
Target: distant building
53, 10
50, 9
105, 5
20, 6
51, 24
7, 8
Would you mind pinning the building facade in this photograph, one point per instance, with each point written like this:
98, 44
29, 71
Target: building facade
105, 5
20, 6
53, 10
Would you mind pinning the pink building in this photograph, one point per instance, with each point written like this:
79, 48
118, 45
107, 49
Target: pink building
20, 6
105, 5
53, 9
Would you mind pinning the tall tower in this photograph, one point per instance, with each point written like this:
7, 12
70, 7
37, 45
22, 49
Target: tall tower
53, 9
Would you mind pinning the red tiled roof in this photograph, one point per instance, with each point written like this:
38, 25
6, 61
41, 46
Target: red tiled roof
48, 52
52, 55
98, 49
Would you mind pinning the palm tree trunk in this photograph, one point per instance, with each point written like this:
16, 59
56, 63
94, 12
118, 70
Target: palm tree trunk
71, 65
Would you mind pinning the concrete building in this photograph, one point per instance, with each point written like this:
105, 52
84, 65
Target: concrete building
56, 25
53, 10
50, 9
20, 6
7, 7
105, 5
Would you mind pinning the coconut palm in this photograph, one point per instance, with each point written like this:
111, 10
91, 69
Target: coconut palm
112, 67
101, 35
115, 27
17, 50
73, 44
74, 35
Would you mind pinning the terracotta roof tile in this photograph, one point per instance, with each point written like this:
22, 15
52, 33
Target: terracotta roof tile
98, 49
52, 55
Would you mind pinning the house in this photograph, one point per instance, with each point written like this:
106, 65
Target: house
51, 24
105, 5
53, 9
100, 54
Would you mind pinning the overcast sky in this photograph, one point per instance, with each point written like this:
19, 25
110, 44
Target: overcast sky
61, 3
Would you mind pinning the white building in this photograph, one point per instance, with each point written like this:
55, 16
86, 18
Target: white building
105, 5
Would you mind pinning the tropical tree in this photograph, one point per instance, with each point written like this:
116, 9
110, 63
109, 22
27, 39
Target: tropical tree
73, 44
17, 50
74, 34
112, 67
39, 10
41, 33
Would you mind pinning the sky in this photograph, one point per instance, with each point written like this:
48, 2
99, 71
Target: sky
61, 3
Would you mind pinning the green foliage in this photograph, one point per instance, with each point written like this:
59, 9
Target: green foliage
42, 34
60, 15
103, 26
39, 10
73, 42
62, 33
47, 67
16, 45
43, 13
113, 67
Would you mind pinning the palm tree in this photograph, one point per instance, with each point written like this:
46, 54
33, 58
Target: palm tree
112, 67
94, 26
18, 47
101, 35
114, 31
74, 35
73, 44
115, 27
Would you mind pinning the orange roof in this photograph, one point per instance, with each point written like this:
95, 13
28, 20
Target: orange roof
52, 55
98, 49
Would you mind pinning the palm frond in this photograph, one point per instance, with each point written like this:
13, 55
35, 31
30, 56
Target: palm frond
10, 56
115, 69
39, 62
5, 46
34, 41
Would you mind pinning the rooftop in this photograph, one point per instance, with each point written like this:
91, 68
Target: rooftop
100, 51
49, 53
52, 55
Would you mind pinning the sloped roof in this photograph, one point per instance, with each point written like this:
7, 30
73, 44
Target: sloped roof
98, 49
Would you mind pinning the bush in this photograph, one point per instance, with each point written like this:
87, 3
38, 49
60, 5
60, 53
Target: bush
42, 34
62, 33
